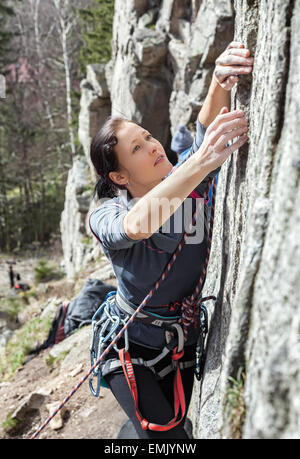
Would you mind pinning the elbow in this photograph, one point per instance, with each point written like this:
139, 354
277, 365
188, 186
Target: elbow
133, 229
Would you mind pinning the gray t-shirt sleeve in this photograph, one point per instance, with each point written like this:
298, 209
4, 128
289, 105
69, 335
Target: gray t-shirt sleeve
107, 225
200, 133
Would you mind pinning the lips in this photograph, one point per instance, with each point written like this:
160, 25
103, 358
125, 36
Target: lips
159, 159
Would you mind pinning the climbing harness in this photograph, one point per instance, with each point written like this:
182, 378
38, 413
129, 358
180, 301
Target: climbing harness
179, 399
106, 327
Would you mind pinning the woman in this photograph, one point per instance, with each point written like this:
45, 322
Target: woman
144, 194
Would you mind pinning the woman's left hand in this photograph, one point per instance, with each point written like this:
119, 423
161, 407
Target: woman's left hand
234, 61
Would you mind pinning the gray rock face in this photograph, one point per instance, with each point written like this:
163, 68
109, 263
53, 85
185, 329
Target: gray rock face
273, 347
73, 219
5, 334
141, 80
95, 106
254, 265
158, 75
162, 62
27, 409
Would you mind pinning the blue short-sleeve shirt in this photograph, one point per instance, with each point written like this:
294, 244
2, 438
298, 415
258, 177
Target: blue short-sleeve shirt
139, 264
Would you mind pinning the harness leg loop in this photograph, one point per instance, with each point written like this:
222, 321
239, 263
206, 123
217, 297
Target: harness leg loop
179, 398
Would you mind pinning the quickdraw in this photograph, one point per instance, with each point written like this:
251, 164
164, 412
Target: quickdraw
189, 310
200, 347
104, 327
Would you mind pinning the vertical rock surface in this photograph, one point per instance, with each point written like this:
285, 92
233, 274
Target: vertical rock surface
95, 107
161, 65
254, 265
72, 224
162, 61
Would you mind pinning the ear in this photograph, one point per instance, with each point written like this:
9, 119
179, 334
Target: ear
118, 178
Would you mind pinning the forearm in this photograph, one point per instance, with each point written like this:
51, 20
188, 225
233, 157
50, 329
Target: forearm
157, 206
216, 98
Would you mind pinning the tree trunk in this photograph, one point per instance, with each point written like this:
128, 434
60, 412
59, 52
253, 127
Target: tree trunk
40, 62
66, 22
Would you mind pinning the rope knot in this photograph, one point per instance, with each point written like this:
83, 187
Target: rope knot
188, 305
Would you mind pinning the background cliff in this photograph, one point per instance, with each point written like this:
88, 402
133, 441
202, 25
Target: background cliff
163, 55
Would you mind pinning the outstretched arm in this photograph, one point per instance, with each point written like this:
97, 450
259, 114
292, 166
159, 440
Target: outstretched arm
142, 220
232, 62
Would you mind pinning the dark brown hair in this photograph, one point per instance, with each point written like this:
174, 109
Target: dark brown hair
104, 157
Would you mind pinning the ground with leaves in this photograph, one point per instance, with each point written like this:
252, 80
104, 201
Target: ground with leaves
85, 416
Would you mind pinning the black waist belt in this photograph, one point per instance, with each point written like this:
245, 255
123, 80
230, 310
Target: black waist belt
145, 317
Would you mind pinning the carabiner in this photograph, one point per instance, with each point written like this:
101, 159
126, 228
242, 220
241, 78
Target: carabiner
97, 391
204, 318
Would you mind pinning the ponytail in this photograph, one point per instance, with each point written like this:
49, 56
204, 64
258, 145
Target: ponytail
105, 189
104, 158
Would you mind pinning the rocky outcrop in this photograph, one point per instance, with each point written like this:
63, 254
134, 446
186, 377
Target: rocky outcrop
166, 55
161, 65
95, 107
75, 245
162, 61
5, 333
254, 264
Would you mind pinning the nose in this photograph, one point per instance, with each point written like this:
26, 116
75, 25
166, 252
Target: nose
152, 149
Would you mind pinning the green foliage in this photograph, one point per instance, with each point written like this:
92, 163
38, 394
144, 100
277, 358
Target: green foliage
235, 403
11, 306
52, 361
10, 424
49, 360
23, 341
46, 273
86, 240
21, 222
34, 157
96, 22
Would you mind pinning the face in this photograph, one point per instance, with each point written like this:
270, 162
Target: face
142, 159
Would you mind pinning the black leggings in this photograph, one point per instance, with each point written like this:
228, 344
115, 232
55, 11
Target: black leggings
155, 399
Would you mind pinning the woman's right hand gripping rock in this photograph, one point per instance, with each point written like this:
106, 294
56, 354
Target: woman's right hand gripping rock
226, 127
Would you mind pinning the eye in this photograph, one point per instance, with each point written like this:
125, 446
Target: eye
135, 148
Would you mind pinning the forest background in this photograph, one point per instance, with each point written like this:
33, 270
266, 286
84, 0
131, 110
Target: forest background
45, 46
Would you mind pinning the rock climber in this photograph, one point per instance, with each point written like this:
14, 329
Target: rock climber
135, 181
11, 275
182, 141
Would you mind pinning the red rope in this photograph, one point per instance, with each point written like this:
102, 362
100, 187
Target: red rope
187, 310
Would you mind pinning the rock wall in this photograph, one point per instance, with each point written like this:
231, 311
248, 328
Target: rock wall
95, 106
75, 244
254, 264
162, 62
